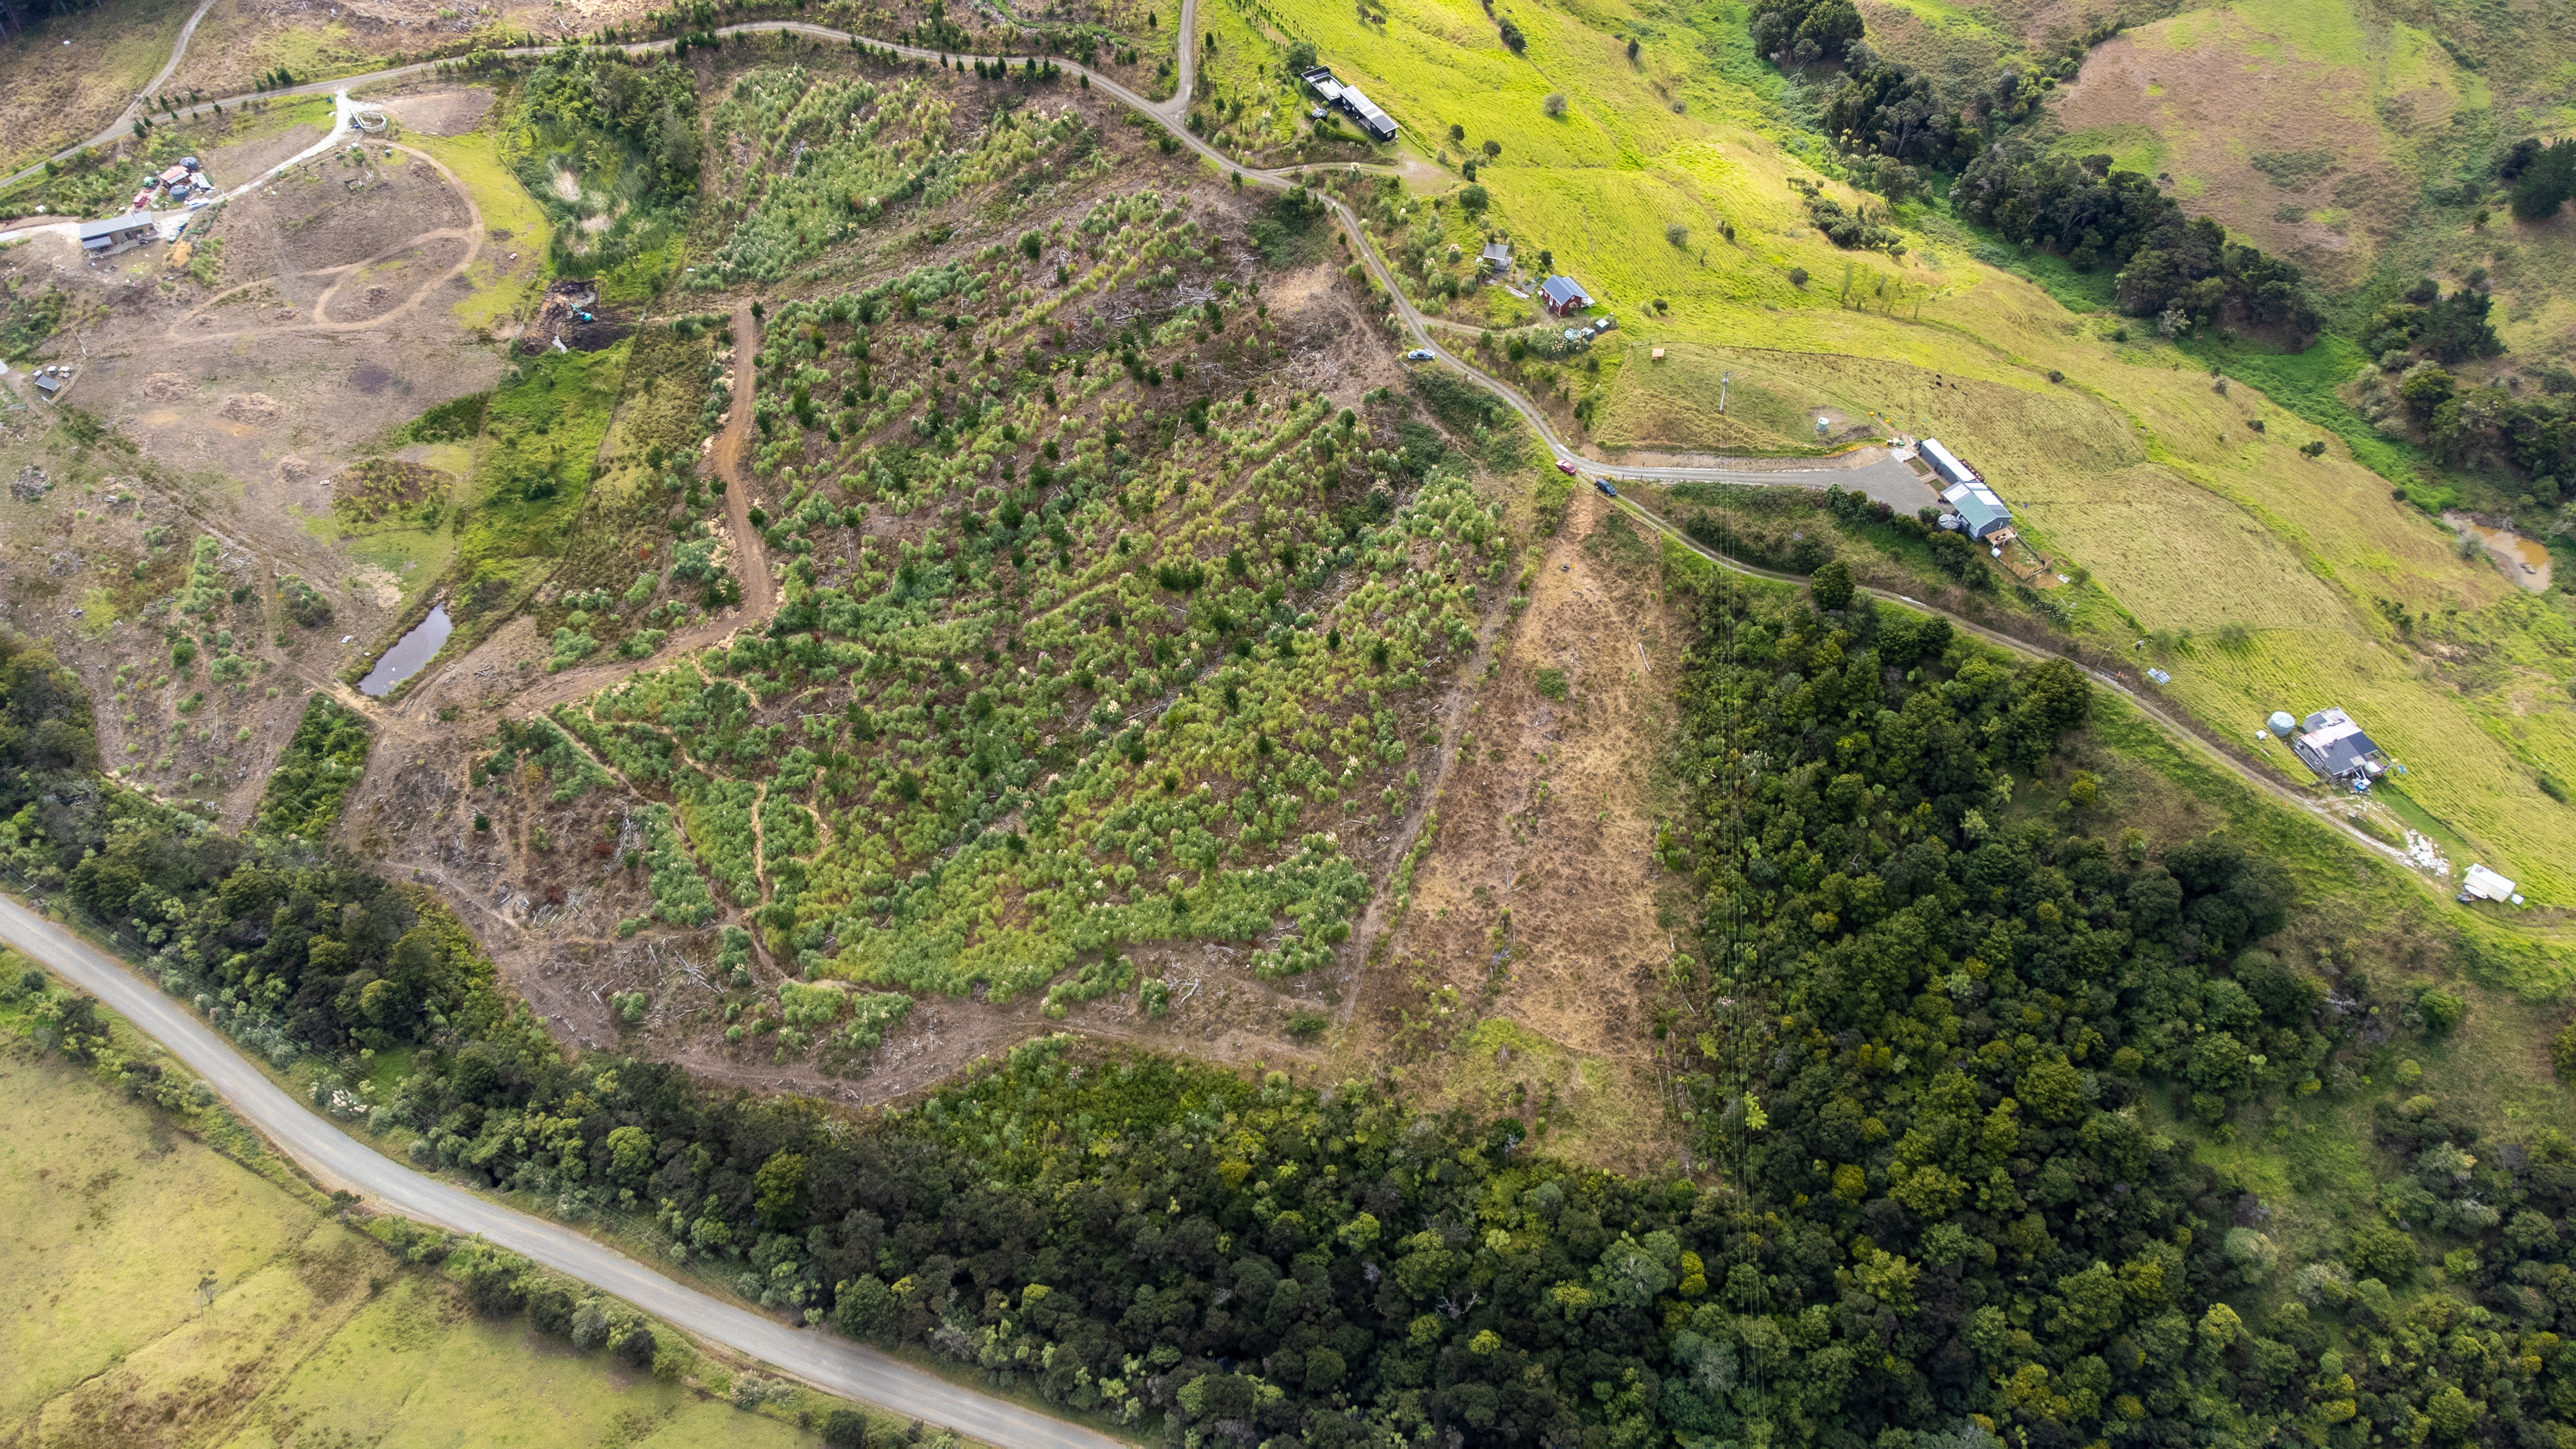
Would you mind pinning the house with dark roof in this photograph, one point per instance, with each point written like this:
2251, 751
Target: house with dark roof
1348, 100
1563, 296
2329, 743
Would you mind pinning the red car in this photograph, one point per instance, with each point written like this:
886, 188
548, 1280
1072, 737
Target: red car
1567, 469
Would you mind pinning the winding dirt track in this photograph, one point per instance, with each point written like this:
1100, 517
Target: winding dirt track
825, 1362
819, 1357
759, 593
471, 233
760, 596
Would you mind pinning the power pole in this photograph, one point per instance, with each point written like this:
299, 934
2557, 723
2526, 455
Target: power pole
1723, 379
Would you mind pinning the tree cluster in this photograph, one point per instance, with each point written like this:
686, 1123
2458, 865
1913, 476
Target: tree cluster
2542, 176
2425, 322
1803, 32
2487, 425
1944, 1018
316, 770
2171, 266
288, 948
1194, 1254
1888, 110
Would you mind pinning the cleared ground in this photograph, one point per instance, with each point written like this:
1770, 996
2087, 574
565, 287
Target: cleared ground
1525, 975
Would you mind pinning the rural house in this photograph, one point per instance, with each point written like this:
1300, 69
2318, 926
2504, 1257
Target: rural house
1564, 296
1349, 100
1496, 257
116, 233
2329, 743
1981, 514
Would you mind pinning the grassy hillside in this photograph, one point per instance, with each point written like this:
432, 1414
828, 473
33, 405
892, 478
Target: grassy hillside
2191, 508
163, 1269
2358, 139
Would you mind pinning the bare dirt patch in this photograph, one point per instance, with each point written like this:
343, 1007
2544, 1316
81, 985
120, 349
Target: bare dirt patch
441, 113
240, 161
1541, 906
2237, 112
257, 409
379, 286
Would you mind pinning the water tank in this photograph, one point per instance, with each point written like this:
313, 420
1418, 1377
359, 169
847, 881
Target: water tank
2281, 723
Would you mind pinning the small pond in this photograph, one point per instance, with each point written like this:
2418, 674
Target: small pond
2524, 560
409, 653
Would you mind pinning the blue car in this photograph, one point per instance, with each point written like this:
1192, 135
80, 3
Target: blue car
1604, 485
1419, 354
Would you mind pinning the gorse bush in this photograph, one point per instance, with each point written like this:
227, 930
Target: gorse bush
314, 774
1104, 696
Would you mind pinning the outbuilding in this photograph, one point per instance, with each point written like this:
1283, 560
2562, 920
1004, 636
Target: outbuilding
2482, 884
1496, 257
114, 234
1945, 464
1563, 296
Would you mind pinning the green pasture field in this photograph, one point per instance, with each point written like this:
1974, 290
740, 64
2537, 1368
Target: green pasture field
533, 465
148, 1271
2131, 464
512, 220
116, 1215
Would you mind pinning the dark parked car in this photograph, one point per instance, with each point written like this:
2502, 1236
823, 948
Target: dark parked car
1604, 485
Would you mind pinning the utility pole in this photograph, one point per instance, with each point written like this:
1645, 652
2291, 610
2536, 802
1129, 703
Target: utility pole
1723, 379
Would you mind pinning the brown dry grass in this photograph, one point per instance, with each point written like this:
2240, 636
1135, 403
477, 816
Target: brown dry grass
65, 79
1546, 832
2218, 89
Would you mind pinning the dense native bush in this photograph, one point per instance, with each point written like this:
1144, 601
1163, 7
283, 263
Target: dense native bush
1940, 1024
1882, 108
1801, 32
2446, 328
287, 947
1165, 1243
1891, 124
